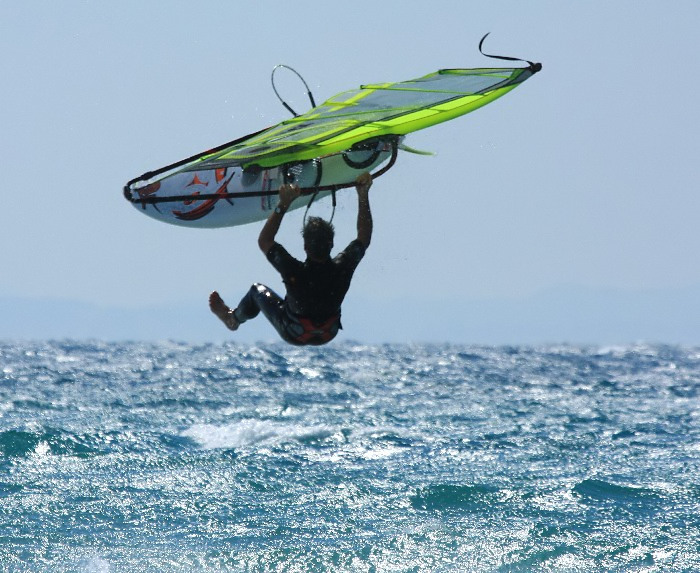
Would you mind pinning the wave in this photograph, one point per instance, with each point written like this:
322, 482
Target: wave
250, 432
449, 496
22, 443
598, 490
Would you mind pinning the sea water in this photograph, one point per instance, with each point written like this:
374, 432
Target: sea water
173, 457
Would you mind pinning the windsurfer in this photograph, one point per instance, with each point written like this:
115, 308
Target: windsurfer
310, 311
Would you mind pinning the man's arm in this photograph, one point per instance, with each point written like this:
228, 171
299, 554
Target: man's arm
364, 215
269, 231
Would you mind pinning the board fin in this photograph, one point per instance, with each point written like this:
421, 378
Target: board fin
404, 147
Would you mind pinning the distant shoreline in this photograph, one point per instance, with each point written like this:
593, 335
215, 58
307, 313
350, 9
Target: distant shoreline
575, 315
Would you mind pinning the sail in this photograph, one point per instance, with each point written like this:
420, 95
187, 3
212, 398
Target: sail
369, 112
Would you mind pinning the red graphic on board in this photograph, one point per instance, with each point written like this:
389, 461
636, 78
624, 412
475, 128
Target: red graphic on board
147, 192
197, 181
207, 206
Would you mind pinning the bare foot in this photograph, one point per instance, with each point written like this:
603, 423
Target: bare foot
220, 309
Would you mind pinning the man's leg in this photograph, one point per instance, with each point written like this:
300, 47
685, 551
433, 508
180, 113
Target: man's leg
258, 298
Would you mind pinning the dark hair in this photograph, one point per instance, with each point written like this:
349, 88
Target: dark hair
318, 237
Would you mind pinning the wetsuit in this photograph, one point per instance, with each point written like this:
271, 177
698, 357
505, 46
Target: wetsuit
310, 313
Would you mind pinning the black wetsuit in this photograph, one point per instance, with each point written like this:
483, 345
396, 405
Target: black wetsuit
310, 313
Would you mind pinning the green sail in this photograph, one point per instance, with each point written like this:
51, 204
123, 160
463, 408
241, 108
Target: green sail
372, 111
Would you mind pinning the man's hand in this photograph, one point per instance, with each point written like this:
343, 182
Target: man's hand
288, 193
363, 183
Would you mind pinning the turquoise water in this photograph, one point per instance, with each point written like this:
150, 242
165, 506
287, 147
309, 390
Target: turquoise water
173, 457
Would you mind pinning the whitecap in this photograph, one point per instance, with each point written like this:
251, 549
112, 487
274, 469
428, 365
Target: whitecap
248, 433
94, 565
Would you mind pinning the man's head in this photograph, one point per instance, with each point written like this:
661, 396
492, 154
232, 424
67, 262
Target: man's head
318, 238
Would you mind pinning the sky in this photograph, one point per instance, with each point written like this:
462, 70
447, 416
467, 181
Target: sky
585, 177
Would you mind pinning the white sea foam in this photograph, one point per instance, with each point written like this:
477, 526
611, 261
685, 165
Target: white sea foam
94, 565
248, 432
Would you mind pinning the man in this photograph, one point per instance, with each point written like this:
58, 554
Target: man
310, 312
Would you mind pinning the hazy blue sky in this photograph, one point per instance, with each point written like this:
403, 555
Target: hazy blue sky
586, 175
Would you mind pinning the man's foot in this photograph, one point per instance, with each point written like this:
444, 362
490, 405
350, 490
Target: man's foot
220, 309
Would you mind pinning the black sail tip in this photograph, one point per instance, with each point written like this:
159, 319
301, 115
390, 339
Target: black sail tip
534, 67
482, 42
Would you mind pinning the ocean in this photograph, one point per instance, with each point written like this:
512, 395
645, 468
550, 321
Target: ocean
173, 457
